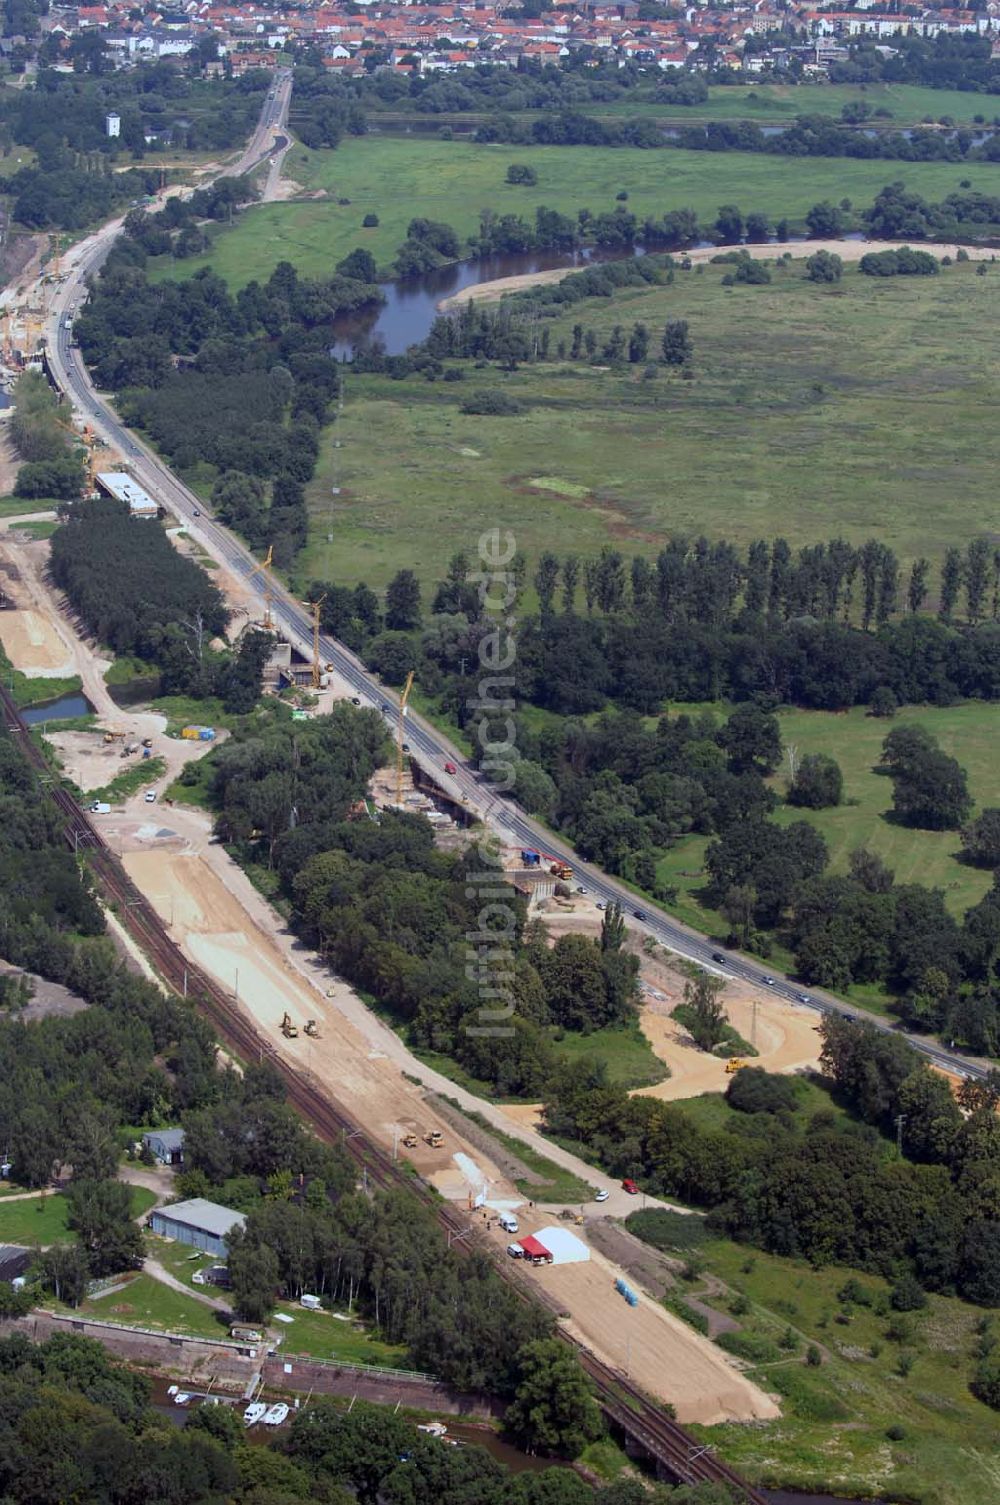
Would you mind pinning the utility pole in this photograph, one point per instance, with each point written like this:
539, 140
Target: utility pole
753, 1024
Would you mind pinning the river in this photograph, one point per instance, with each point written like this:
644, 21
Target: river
410, 306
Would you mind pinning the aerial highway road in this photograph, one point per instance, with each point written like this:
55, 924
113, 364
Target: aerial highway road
428, 747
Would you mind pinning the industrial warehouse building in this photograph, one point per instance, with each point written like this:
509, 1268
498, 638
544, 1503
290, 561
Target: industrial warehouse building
120, 485
201, 1224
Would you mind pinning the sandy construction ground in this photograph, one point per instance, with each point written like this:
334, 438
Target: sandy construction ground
218, 934
649, 1344
225, 925
32, 644
784, 1034
847, 250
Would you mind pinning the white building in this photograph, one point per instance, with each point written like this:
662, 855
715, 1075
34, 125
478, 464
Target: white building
113, 124
121, 486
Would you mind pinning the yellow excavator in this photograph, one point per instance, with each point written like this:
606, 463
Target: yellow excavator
434, 1138
733, 1065
409, 1141
288, 1029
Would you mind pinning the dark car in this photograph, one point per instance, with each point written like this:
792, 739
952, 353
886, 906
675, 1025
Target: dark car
640, 914
406, 747
355, 700
717, 956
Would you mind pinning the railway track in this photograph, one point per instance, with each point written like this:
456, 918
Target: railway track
623, 1403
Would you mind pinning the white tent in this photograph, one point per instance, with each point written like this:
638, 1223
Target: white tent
565, 1247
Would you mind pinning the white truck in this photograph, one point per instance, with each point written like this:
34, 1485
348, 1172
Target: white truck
100, 807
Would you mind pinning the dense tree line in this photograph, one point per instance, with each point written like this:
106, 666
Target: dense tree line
53, 463
241, 383
176, 229
828, 626
393, 914
70, 110
826, 1191
78, 1425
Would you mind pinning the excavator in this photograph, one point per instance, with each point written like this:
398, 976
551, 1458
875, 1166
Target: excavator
733, 1065
312, 1029
434, 1138
288, 1029
409, 1141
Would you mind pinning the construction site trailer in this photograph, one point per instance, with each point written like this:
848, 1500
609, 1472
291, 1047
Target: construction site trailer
120, 485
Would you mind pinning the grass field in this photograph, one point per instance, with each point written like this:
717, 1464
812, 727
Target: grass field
966, 732
35, 1220
399, 177
833, 1434
146, 1302
42, 1220
627, 1053
776, 104
858, 410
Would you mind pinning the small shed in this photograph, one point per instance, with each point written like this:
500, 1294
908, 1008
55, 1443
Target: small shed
166, 1145
202, 1224
14, 1260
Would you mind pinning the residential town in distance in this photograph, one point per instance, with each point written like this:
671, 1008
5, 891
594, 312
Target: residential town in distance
764, 37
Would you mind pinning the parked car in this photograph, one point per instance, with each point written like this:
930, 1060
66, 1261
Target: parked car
355, 700
630, 1186
600, 904
602, 1195
150, 796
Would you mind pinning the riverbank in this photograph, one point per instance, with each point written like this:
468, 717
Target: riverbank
847, 250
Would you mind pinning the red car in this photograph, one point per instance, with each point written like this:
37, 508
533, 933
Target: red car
630, 1187
450, 768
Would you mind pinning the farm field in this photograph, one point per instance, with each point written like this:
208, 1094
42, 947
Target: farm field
855, 410
399, 177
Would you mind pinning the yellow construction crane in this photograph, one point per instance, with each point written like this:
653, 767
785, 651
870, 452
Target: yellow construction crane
263, 569
314, 607
400, 739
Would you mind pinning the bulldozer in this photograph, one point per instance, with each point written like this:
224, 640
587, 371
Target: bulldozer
434, 1138
288, 1029
409, 1141
733, 1065
312, 1029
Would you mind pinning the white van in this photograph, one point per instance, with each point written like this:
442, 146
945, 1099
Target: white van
100, 808
508, 1222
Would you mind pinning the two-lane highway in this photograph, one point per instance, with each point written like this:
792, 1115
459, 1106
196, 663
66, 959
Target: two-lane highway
428, 747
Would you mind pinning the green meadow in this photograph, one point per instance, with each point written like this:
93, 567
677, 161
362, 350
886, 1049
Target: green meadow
860, 409
397, 178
